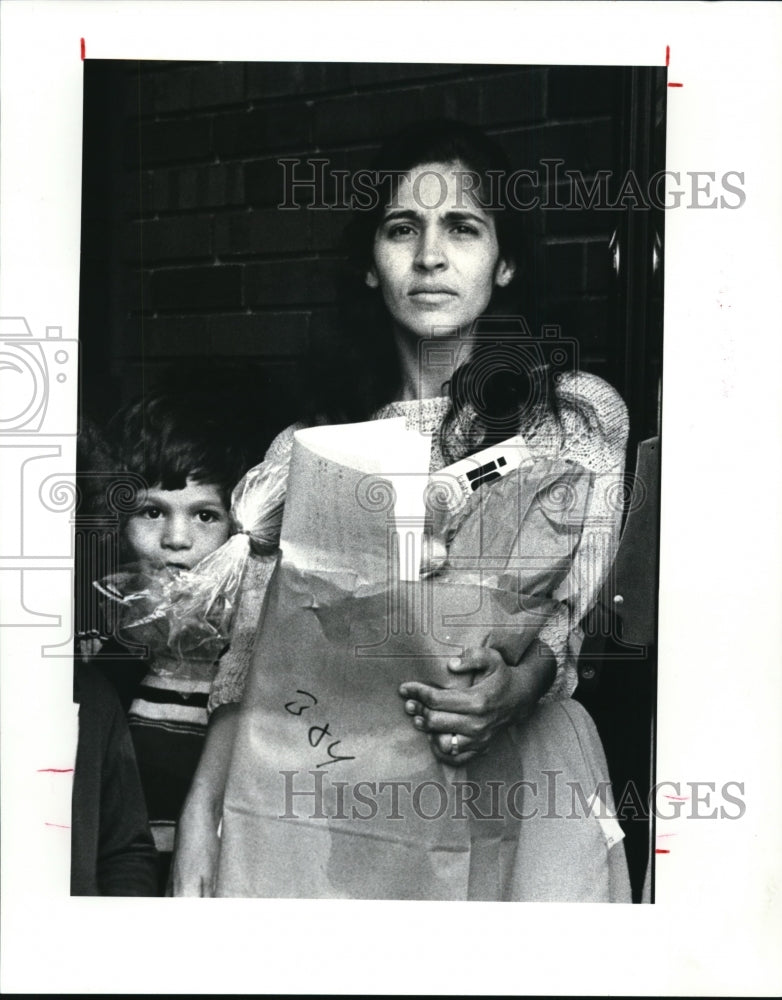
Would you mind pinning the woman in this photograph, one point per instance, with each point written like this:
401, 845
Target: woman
439, 252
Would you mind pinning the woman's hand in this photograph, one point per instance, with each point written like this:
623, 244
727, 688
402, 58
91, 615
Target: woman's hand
461, 722
197, 847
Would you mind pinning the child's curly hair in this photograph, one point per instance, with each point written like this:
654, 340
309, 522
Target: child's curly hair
168, 438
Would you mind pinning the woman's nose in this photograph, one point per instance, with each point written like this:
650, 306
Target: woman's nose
176, 534
430, 251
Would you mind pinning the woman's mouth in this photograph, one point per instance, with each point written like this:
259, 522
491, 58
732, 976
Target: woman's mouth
432, 296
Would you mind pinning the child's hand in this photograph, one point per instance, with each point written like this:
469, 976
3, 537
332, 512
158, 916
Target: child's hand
89, 646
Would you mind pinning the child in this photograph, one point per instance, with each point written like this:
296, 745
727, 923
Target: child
190, 459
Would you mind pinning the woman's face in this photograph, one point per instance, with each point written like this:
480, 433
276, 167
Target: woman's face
436, 259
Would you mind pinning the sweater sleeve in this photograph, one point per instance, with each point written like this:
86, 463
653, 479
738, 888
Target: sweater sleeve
228, 685
234, 664
595, 425
127, 859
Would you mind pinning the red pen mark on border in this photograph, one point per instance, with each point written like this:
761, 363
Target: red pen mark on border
82, 49
60, 826
668, 63
678, 798
54, 770
661, 850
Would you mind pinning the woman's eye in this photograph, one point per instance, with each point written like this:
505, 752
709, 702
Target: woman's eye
399, 231
152, 512
208, 516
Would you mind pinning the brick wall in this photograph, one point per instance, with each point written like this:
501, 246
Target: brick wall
215, 274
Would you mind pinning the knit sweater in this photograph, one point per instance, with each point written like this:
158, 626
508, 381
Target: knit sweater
112, 853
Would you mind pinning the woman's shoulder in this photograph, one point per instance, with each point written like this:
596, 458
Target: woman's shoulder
594, 400
282, 445
594, 418
274, 466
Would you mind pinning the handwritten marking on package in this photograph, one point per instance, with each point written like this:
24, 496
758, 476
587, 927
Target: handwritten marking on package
301, 708
316, 733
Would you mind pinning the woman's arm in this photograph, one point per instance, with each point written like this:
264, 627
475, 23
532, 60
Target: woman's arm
197, 845
229, 682
596, 427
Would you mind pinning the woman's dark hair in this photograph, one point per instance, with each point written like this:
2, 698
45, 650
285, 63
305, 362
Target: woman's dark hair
168, 438
355, 370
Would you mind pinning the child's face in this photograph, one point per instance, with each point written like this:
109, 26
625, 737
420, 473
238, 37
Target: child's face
177, 528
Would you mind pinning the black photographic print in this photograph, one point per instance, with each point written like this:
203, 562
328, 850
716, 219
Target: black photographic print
214, 269
386, 400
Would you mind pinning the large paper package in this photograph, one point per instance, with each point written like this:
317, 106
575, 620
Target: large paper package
384, 574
